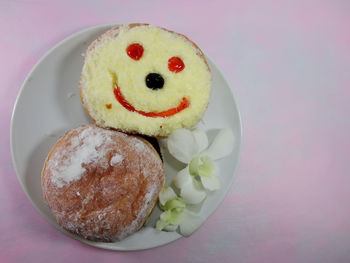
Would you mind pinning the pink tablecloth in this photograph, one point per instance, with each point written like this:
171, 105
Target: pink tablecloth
288, 63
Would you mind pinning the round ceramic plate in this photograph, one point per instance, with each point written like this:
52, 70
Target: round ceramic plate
48, 105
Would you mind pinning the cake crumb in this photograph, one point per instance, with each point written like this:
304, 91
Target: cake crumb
70, 95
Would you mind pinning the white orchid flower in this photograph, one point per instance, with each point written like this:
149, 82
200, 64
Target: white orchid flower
191, 147
175, 214
190, 189
200, 174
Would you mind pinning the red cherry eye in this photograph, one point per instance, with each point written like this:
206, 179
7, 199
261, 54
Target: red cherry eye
175, 64
135, 51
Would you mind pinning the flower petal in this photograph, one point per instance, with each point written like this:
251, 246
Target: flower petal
191, 193
182, 145
206, 168
190, 223
163, 216
201, 139
170, 228
166, 194
174, 216
194, 165
221, 146
177, 202
183, 177
211, 183
160, 225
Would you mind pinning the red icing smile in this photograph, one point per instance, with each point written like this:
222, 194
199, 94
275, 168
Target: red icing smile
167, 113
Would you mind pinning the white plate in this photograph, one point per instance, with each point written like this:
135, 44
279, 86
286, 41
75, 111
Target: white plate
48, 105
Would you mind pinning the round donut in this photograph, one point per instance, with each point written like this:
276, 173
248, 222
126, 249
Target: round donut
140, 78
101, 184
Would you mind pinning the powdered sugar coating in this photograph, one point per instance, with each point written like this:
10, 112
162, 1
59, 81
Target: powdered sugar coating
99, 184
83, 149
116, 159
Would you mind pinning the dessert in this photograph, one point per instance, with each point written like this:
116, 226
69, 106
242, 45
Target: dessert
144, 79
101, 184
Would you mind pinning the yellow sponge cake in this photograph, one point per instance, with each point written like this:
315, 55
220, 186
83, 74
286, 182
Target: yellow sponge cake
141, 78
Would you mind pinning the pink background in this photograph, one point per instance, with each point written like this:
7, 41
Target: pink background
288, 63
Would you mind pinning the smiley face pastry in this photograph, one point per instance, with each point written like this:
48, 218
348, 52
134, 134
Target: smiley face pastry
140, 78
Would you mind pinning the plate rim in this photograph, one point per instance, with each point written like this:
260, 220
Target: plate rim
14, 163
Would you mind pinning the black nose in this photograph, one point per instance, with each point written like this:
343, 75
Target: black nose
154, 81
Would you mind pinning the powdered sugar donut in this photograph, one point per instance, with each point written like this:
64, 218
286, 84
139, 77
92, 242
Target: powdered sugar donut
144, 79
101, 184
